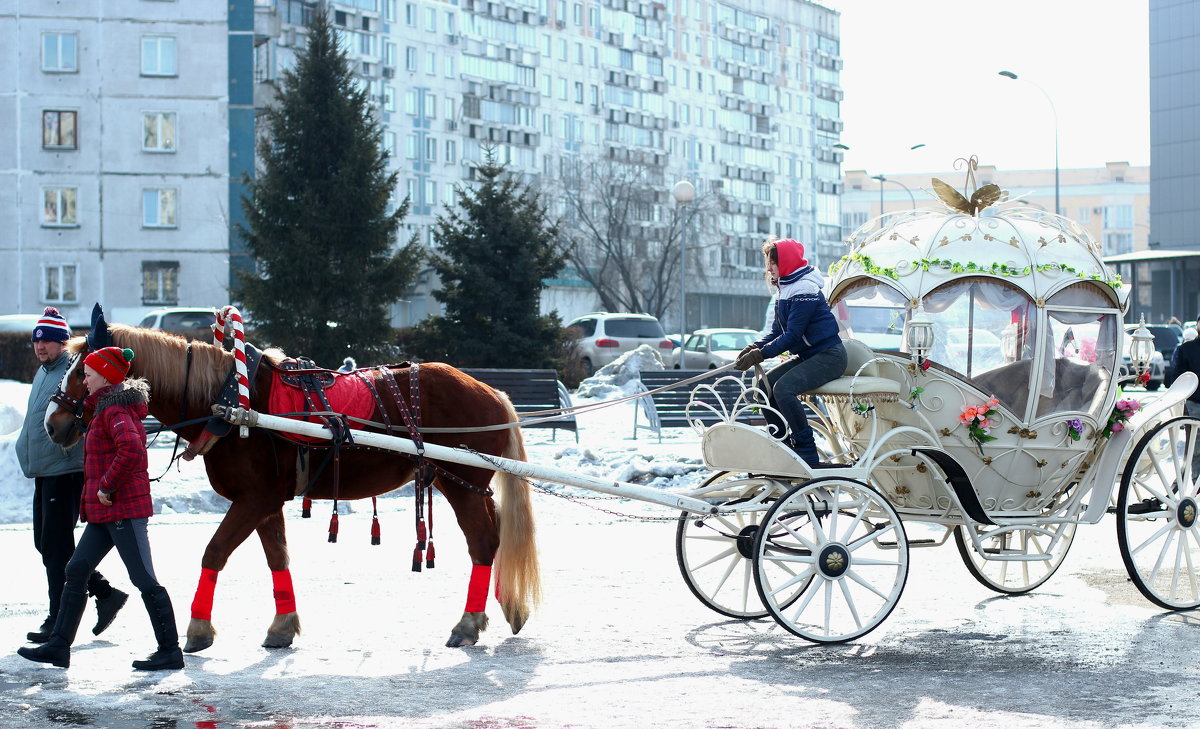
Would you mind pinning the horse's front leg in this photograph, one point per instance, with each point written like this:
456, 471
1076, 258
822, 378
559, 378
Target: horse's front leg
476, 516
239, 521
286, 624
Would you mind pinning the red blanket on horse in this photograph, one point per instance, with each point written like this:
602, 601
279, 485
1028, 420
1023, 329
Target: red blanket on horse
349, 395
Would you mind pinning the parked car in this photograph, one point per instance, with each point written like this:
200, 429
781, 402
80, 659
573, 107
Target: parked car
1166, 338
18, 322
708, 349
604, 337
192, 322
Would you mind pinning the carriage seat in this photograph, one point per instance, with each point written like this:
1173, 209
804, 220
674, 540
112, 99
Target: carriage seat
869, 385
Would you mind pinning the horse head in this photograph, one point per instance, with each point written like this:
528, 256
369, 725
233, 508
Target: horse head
66, 415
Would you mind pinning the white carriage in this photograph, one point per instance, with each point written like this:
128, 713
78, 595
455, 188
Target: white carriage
997, 418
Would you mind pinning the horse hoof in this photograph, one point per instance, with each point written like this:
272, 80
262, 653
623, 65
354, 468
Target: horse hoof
460, 641
277, 641
197, 643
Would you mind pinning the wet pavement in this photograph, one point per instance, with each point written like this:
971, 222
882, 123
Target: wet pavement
618, 642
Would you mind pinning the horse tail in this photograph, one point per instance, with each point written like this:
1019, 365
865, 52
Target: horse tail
518, 579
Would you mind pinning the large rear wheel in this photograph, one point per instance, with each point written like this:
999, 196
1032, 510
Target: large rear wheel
830, 560
1157, 514
1015, 577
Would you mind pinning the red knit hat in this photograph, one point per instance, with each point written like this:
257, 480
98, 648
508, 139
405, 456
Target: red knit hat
791, 255
111, 362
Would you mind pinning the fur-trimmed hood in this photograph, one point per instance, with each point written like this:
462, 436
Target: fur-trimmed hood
134, 393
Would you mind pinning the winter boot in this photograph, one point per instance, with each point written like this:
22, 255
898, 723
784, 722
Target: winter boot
162, 618
107, 609
42, 634
805, 445
57, 651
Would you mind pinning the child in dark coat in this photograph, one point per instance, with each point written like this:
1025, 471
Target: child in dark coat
116, 506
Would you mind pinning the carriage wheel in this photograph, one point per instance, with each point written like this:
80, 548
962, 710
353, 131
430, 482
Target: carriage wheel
713, 551
1014, 577
842, 545
1157, 511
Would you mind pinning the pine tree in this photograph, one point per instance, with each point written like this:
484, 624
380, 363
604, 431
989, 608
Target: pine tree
492, 254
327, 268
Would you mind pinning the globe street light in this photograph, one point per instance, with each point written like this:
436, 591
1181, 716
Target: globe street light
684, 192
1014, 77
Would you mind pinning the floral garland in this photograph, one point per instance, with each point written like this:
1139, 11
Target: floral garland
1122, 411
995, 269
975, 417
1075, 428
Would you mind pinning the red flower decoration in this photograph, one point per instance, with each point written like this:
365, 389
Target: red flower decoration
1144, 377
924, 365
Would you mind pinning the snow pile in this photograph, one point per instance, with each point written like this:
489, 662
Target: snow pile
620, 377
16, 491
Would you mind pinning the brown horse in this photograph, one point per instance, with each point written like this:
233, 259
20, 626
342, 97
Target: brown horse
258, 474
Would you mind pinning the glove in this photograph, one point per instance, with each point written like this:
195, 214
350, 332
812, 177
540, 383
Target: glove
744, 351
748, 360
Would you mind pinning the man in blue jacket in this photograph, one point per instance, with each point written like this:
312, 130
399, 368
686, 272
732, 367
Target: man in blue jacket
57, 475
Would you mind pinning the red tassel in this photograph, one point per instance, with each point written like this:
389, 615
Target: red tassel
429, 555
306, 510
421, 535
374, 530
333, 527
417, 559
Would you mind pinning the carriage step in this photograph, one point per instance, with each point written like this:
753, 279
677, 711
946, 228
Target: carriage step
911, 543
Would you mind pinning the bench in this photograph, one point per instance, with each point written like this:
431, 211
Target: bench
668, 409
531, 391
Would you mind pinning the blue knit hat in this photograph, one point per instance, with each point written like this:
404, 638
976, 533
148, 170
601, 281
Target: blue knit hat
52, 327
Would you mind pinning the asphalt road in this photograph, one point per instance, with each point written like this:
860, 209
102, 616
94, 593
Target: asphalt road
618, 642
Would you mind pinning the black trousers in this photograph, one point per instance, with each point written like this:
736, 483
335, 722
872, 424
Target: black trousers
131, 540
55, 515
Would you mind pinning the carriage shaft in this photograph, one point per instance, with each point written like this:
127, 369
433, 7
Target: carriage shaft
436, 452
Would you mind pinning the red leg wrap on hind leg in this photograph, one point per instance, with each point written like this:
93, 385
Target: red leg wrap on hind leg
477, 590
285, 599
202, 602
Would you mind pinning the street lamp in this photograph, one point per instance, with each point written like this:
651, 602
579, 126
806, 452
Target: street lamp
883, 179
684, 192
1054, 111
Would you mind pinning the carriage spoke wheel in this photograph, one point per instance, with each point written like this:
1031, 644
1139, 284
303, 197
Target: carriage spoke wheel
713, 551
842, 545
1157, 504
1014, 577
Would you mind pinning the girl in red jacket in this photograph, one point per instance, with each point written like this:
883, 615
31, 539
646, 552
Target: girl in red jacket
116, 506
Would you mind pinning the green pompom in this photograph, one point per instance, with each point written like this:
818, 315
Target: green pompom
127, 353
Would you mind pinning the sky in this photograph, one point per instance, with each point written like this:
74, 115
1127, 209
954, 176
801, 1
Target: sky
926, 72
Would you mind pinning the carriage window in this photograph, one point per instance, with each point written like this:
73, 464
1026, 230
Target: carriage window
1082, 352
874, 315
982, 330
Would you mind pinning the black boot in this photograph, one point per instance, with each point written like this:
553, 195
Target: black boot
162, 618
107, 609
42, 634
805, 445
57, 651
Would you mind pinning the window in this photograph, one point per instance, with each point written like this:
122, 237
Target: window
158, 55
59, 283
410, 58
389, 143
160, 282
431, 20
58, 130
578, 92
451, 151
410, 14
430, 106
58, 206
158, 207
450, 22
430, 149
1118, 216
431, 192
431, 63
59, 52
410, 146
449, 66
158, 131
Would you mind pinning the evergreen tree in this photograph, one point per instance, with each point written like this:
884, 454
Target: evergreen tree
317, 223
492, 254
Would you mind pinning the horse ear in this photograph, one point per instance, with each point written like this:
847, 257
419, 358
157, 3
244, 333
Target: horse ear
99, 337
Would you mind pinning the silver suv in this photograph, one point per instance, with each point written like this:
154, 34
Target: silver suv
604, 337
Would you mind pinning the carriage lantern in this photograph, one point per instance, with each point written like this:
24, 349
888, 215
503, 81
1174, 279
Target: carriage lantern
920, 333
1142, 346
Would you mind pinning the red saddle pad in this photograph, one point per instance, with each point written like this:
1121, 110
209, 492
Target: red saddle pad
349, 395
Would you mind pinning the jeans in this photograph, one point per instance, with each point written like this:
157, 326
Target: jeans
795, 377
130, 538
55, 514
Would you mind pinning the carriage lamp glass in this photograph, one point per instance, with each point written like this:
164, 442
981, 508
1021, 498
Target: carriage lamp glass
1141, 349
920, 333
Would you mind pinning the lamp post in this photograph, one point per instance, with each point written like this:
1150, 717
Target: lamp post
684, 192
883, 179
1054, 111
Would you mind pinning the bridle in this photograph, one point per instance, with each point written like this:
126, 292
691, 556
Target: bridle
72, 405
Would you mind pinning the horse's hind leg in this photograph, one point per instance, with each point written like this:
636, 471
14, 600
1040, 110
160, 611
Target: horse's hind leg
239, 521
286, 624
476, 516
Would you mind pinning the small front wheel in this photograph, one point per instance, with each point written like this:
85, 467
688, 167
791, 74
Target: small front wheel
1015, 577
1157, 515
830, 560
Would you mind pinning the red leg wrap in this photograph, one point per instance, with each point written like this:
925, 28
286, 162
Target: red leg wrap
285, 599
477, 590
202, 602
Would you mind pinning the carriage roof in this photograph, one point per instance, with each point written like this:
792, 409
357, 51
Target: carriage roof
917, 251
